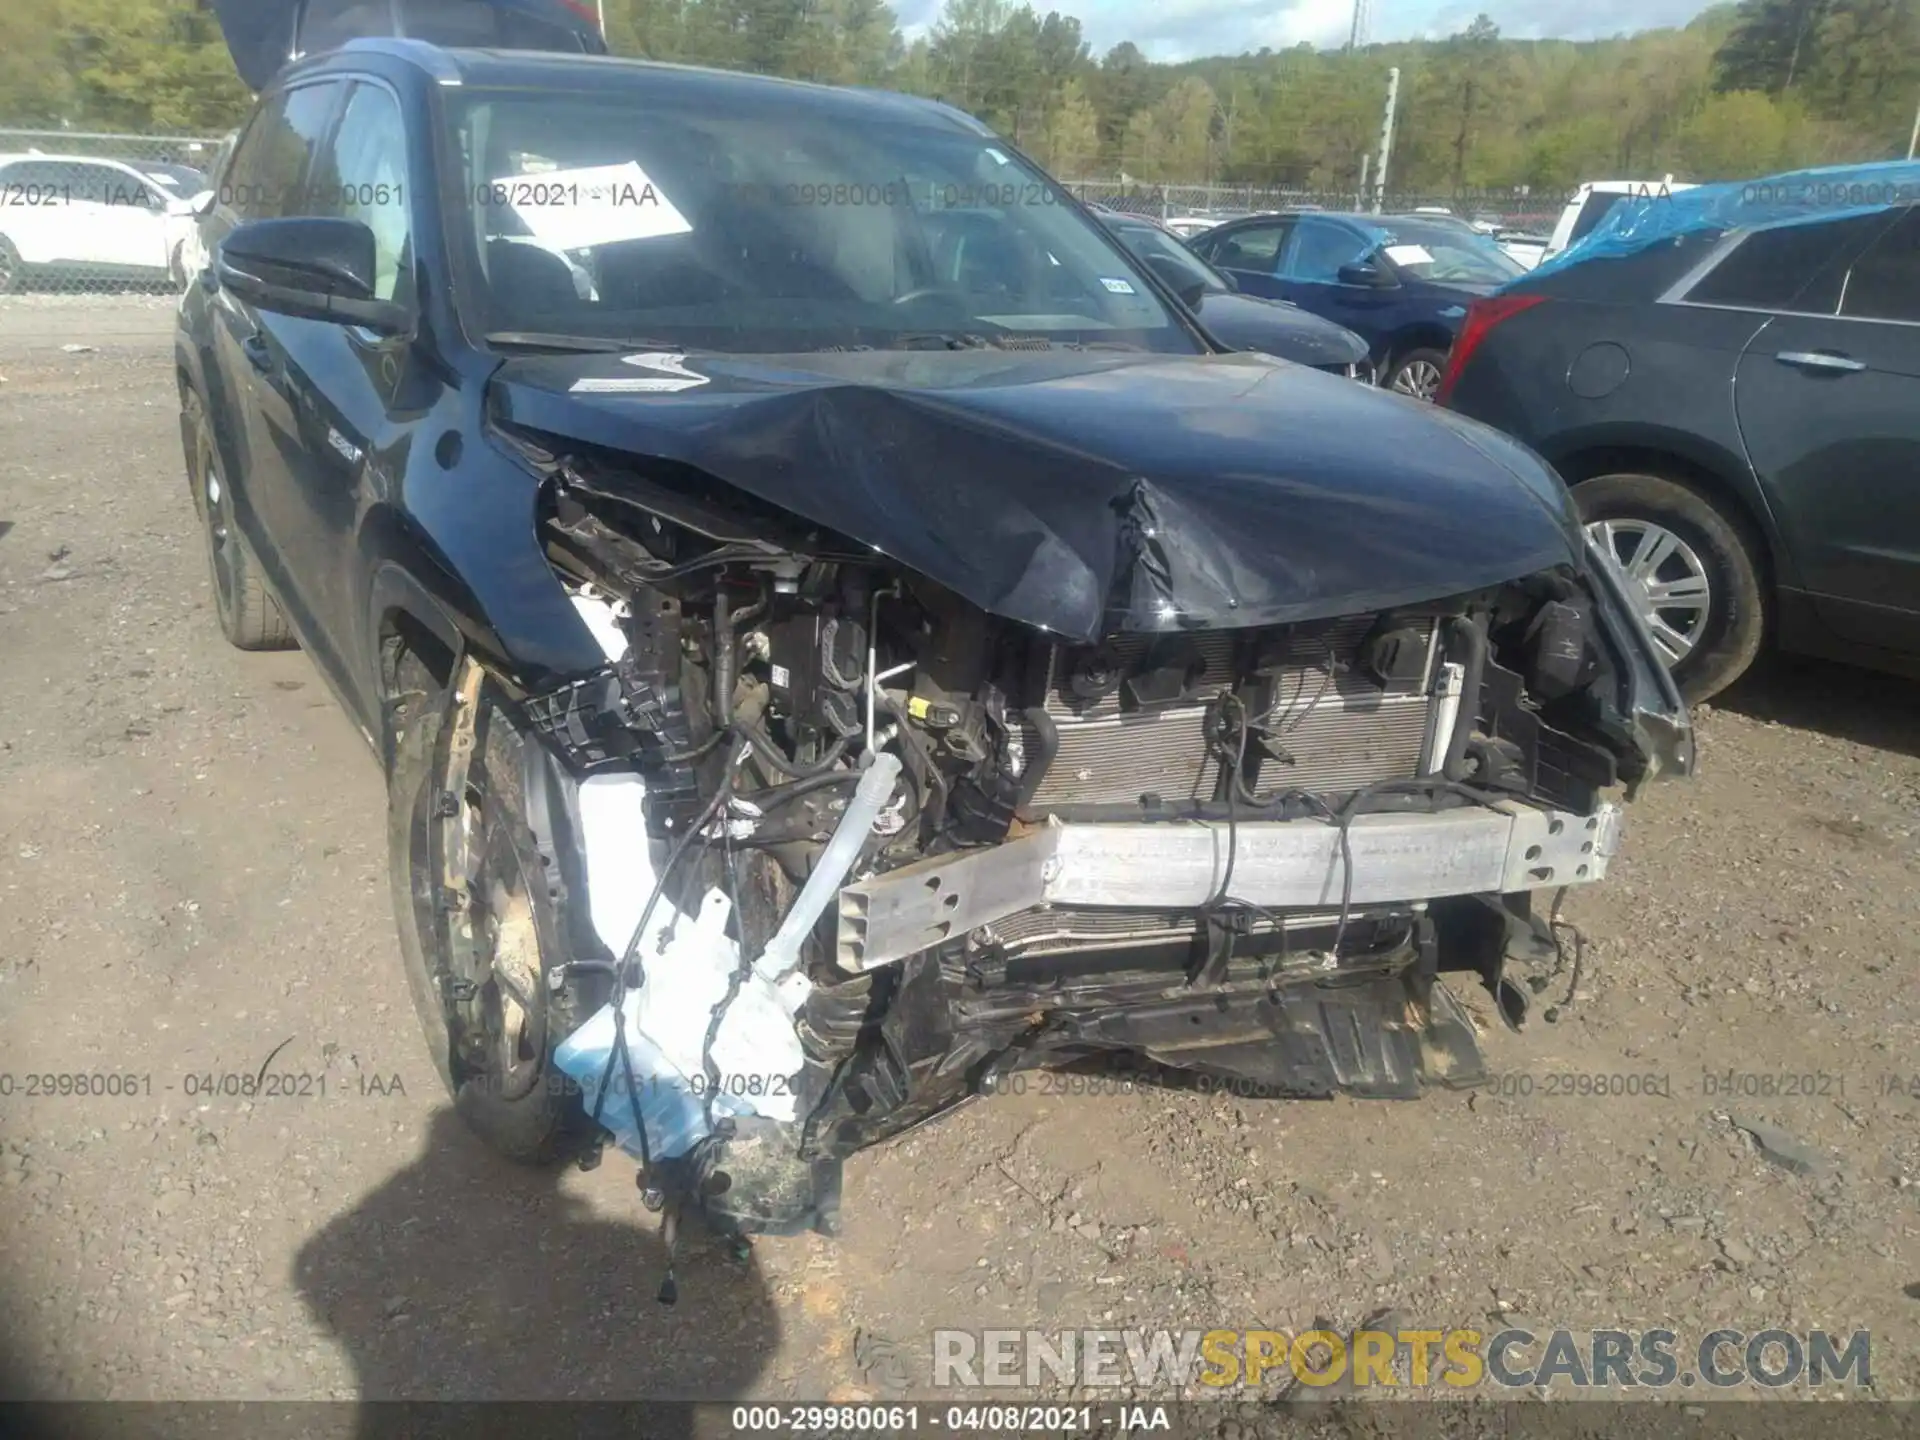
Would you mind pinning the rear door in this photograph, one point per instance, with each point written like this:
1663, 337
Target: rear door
1249, 253
256, 406
1828, 397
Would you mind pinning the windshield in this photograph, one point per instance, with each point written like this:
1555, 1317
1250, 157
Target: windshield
1442, 254
1169, 259
769, 224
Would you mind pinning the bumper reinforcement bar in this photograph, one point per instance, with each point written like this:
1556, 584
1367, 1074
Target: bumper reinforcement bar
1277, 864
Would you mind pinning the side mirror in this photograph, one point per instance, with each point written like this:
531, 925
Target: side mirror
315, 268
1192, 294
1371, 276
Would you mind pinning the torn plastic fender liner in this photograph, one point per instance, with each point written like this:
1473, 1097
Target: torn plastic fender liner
1089, 492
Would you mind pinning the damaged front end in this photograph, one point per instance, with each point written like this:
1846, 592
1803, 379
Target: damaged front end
856, 847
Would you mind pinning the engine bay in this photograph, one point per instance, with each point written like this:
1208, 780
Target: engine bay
1246, 854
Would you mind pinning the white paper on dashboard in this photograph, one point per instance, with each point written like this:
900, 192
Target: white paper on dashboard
598, 205
1409, 255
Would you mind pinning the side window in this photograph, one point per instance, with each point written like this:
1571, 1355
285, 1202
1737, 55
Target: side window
86, 184
266, 179
1790, 267
1320, 249
363, 176
1255, 248
1885, 284
118, 190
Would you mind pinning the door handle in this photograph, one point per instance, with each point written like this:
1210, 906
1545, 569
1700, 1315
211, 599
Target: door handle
1820, 360
258, 356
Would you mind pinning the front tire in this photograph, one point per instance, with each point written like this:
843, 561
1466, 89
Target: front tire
1694, 571
478, 972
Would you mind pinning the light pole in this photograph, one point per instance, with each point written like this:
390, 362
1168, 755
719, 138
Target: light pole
1386, 140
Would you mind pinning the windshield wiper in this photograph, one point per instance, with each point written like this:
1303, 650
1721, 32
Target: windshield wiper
568, 344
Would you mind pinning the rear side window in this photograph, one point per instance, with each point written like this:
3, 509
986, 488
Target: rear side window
266, 179
1256, 248
1792, 267
1885, 285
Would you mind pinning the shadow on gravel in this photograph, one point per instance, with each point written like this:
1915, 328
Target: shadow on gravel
468, 1278
1842, 701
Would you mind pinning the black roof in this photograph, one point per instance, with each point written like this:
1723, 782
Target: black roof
562, 74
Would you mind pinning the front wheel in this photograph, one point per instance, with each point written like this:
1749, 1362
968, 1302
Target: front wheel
1692, 572
1417, 374
480, 926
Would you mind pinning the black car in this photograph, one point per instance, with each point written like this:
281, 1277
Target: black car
1738, 413
1402, 283
818, 599
1243, 322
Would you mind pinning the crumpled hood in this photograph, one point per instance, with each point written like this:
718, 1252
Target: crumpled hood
1083, 492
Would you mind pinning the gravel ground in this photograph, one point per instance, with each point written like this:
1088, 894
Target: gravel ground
192, 880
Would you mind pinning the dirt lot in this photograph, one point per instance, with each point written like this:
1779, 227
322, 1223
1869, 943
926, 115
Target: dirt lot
192, 880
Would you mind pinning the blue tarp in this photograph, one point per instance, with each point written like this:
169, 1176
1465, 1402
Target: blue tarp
1798, 197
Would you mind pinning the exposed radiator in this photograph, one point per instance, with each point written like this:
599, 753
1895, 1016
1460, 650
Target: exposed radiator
1342, 727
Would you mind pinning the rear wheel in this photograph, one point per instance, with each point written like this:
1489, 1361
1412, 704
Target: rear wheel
1417, 373
1694, 574
480, 928
250, 617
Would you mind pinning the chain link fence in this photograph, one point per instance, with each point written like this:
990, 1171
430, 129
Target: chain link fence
88, 212
1190, 206
91, 212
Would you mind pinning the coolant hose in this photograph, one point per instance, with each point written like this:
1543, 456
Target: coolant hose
782, 954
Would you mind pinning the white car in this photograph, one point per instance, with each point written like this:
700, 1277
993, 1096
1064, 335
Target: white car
1592, 202
1188, 226
80, 217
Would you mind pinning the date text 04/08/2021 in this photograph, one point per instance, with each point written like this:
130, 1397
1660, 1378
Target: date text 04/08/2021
197, 1085
885, 1419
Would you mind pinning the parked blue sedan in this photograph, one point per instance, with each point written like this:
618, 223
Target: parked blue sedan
1402, 284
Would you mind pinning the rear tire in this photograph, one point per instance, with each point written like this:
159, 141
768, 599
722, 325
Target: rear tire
250, 617
1715, 544
9, 267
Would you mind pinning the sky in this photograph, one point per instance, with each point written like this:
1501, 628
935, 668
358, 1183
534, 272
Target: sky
1171, 30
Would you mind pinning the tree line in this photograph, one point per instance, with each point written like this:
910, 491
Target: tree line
1745, 89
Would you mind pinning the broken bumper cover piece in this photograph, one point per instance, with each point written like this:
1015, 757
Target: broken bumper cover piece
1398, 858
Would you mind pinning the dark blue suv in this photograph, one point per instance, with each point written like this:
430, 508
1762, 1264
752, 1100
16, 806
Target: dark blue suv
1403, 285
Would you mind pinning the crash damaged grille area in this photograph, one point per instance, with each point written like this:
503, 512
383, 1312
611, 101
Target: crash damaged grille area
855, 845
